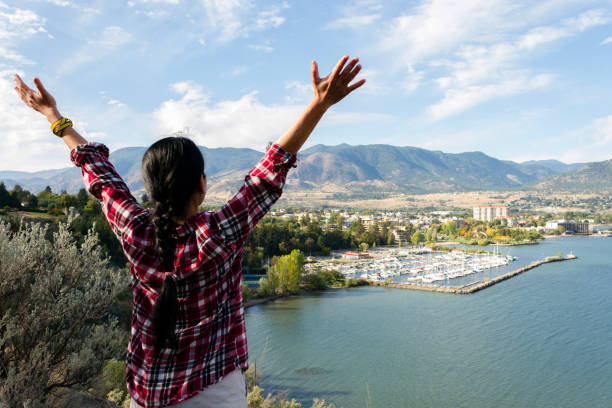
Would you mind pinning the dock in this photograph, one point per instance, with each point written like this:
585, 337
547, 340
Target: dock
477, 285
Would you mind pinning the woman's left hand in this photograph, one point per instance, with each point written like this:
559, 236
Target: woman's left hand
41, 101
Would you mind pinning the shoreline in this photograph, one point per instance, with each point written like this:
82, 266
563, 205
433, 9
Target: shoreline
258, 301
476, 285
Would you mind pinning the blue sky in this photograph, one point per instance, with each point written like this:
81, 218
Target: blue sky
517, 80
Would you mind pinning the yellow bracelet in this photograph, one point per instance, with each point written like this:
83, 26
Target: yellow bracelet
58, 127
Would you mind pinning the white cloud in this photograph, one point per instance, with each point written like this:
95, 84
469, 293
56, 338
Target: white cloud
603, 133
109, 40
132, 3
19, 23
13, 56
116, 103
353, 21
245, 122
471, 65
412, 80
298, 91
227, 20
590, 143
59, 3
267, 48
357, 15
439, 26
65, 3
461, 98
606, 41
567, 28
476, 50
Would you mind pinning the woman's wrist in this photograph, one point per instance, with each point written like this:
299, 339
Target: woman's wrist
318, 104
52, 115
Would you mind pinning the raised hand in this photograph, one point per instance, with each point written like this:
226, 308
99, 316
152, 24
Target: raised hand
41, 101
334, 87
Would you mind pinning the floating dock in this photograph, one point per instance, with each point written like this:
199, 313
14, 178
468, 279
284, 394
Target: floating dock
477, 285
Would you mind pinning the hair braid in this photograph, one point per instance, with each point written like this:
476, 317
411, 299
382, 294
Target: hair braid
164, 231
165, 310
171, 171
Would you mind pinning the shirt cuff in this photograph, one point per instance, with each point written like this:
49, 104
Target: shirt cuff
274, 165
80, 154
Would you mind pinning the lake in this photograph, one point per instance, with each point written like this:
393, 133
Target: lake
540, 339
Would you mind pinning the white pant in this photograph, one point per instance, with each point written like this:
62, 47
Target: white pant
230, 392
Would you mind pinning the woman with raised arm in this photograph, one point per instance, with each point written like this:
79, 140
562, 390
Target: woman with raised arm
188, 342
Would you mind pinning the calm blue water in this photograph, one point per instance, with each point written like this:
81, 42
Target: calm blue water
541, 339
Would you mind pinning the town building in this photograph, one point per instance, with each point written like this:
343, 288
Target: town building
572, 227
490, 212
401, 235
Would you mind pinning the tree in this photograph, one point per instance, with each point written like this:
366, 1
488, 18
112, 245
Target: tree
55, 329
5, 198
66, 201
364, 246
286, 272
47, 197
357, 227
82, 198
450, 228
416, 238
309, 244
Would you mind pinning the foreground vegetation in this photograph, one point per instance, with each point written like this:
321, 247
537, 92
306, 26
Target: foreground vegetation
56, 325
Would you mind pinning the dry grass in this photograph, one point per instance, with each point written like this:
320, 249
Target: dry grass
462, 200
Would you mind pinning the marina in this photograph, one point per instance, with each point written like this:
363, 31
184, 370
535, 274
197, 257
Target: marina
480, 285
416, 266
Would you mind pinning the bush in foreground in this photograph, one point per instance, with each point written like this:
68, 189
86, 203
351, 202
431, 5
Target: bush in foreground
55, 332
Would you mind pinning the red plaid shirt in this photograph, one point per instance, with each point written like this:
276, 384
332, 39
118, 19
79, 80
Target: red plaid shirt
210, 326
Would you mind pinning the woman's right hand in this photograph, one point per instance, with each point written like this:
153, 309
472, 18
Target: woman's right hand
334, 87
41, 101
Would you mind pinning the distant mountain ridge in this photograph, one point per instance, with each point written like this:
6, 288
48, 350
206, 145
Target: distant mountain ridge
348, 168
591, 178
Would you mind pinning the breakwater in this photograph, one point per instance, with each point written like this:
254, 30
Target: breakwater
477, 285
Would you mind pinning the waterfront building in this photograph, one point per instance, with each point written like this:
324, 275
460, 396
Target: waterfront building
490, 212
572, 227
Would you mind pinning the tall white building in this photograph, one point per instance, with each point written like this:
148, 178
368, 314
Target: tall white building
490, 212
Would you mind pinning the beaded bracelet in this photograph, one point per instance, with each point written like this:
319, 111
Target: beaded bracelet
58, 127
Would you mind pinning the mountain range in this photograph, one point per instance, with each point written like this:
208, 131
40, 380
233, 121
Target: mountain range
360, 169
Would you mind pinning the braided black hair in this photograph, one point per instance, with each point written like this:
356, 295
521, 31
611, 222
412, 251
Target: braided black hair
171, 171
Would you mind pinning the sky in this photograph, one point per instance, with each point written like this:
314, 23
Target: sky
517, 80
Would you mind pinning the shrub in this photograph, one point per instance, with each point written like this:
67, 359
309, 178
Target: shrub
55, 330
314, 281
249, 293
352, 282
266, 288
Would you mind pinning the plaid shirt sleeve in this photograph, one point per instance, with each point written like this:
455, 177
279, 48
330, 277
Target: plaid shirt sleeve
261, 189
104, 183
